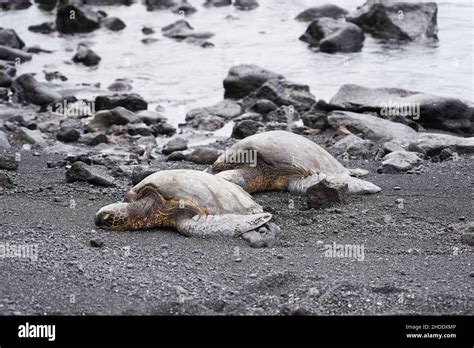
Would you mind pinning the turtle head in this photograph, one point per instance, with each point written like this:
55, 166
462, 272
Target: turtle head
114, 217
144, 213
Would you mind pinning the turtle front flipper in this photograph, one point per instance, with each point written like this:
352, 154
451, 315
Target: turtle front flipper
358, 172
301, 185
231, 225
359, 186
355, 185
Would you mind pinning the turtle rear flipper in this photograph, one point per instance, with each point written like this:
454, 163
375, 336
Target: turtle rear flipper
231, 225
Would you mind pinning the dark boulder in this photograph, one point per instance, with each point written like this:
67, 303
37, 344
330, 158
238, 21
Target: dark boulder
34, 137
150, 117
349, 38
7, 73
104, 119
36, 49
387, 19
96, 243
7, 5
68, 135
152, 5
226, 109
27, 89
175, 144
263, 106
4, 92
149, 40
245, 5
354, 146
94, 139
331, 11
245, 79
282, 92
176, 156
246, 128
184, 9
203, 155
8, 162
325, 194
148, 31
95, 175
450, 114
9, 38
113, 23
157, 122
132, 102
357, 98
86, 56
430, 111
140, 129
14, 55
398, 162
43, 28
254, 116
163, 128
8, 67
46, 5
206, 122
213, 117
181, 30
120, 85
371, 127
319, 29
140, 172
71, 20
273, 126
316, 117
334, 36
108, 2
5, 180
433, 144
284, 114
54, 75
217, 3
198, 42
447, 154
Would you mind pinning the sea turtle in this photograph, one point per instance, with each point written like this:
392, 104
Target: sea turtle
284, 161
193, 202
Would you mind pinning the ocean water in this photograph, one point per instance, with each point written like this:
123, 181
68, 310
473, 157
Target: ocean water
181, 76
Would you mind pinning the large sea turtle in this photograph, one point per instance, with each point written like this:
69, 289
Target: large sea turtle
193, 202
284, 161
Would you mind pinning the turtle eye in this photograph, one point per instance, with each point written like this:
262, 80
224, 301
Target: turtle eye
103, 220
108, 219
